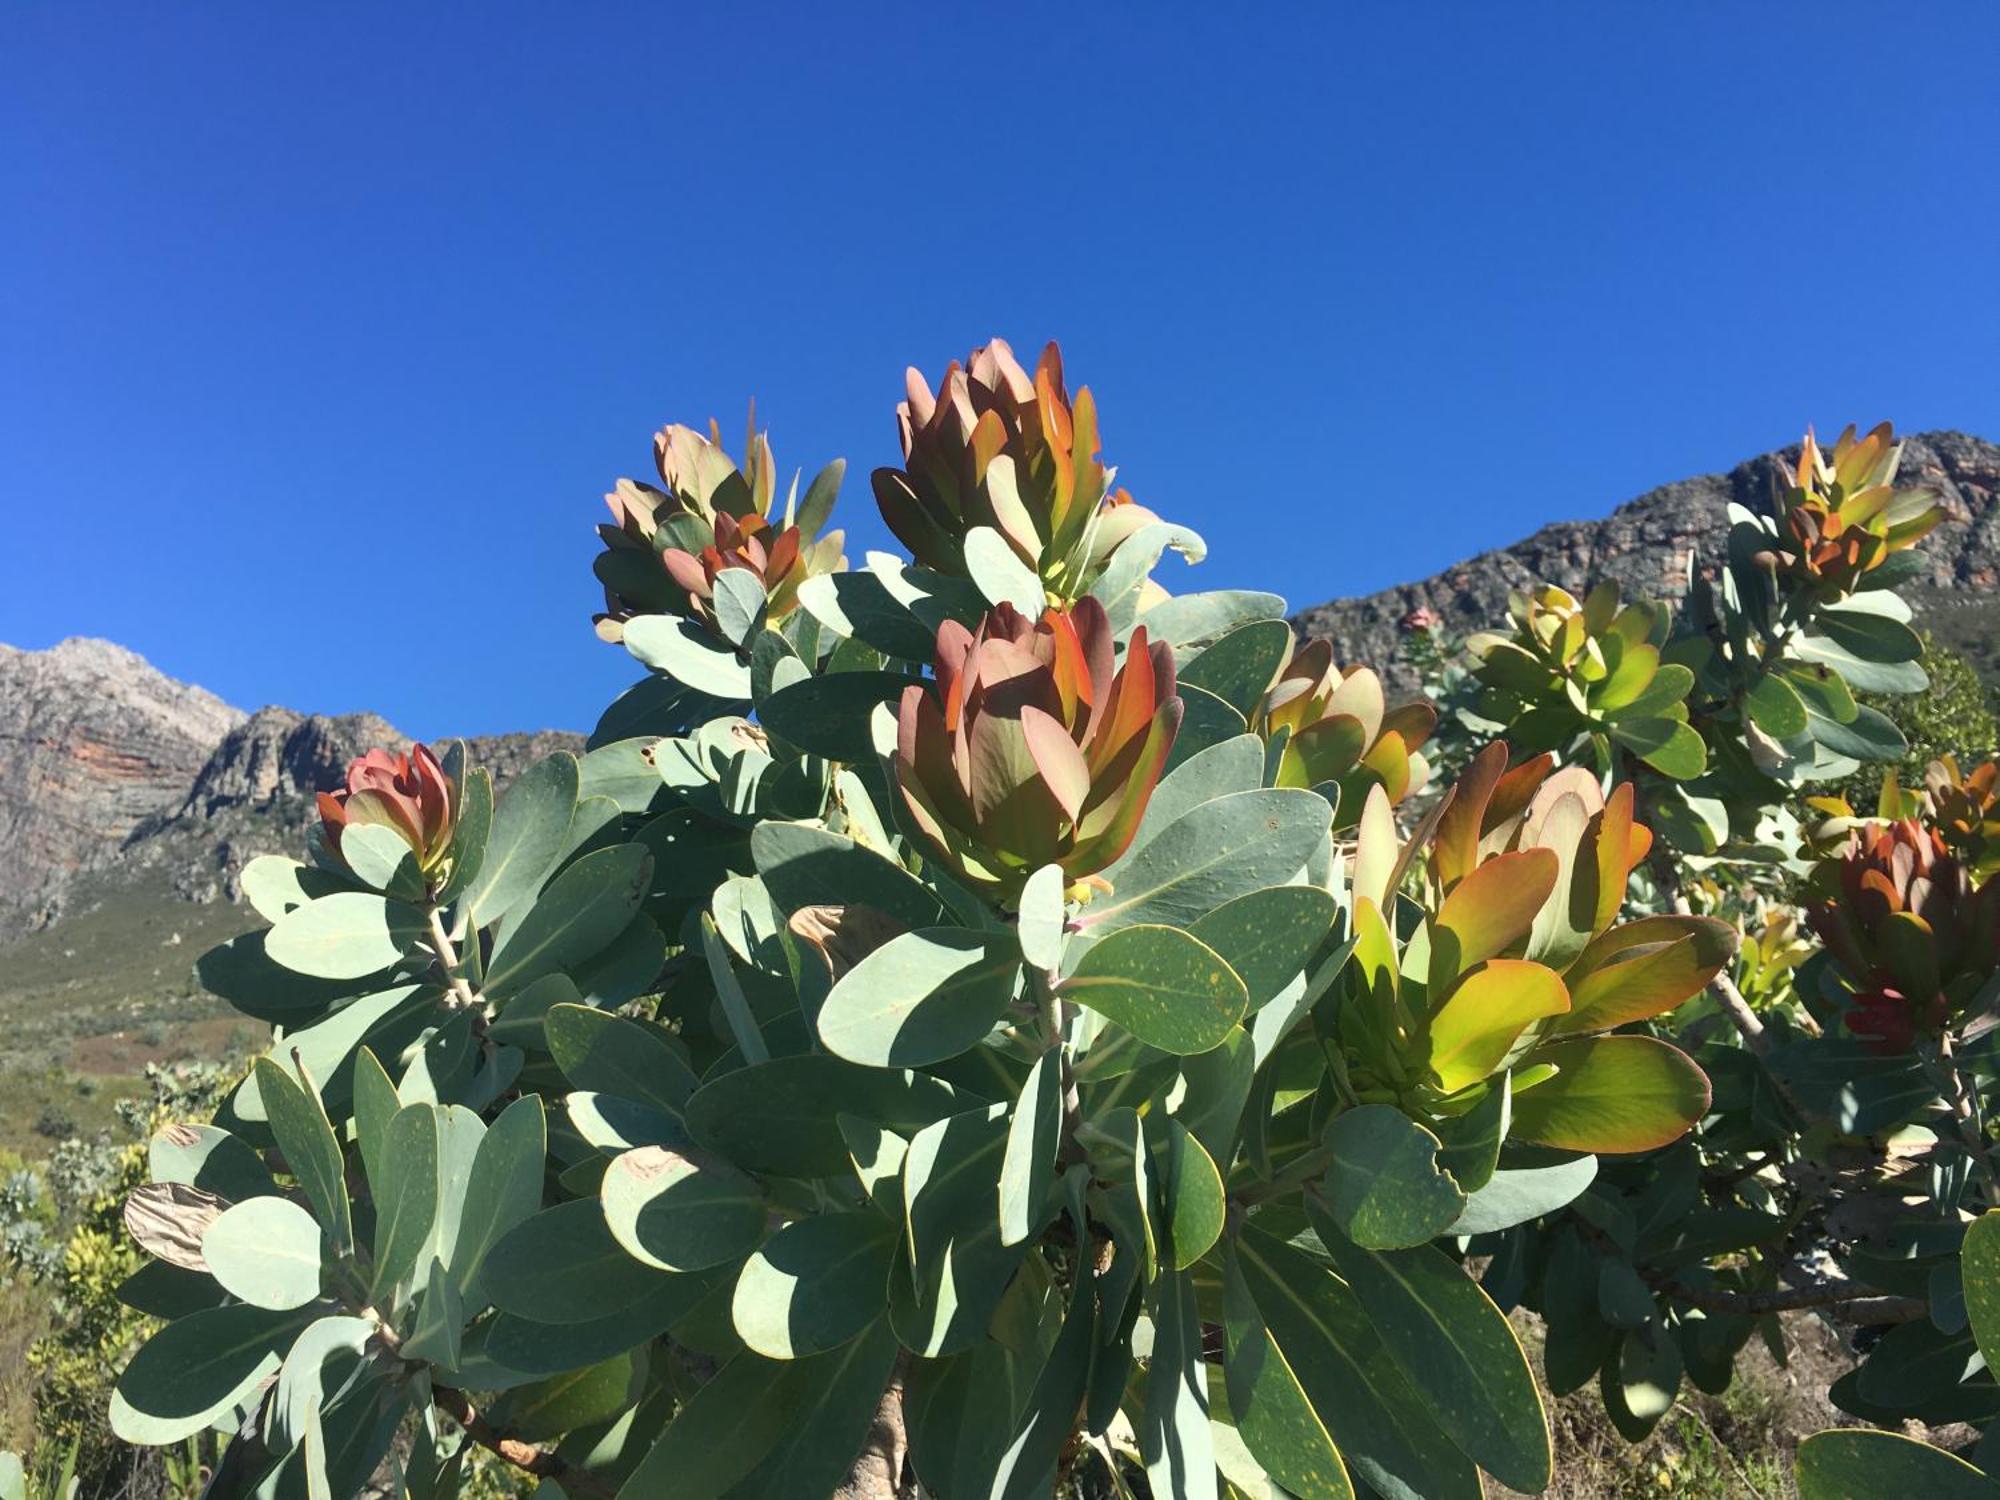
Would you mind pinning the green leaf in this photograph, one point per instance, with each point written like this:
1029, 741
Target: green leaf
860, 605
198, 1369
1028, 1168
1192, 619
530, 831
265, 1251
1190, 1191
1234, 765
1457, 1349
1241, 666
275, 885
1858, 1464
243, 973
306, 1138
1000, 574
921, 997
738, 604
1489, 911
1980, 1271
1775, 707
503, 1190
838, 1396
1385, 1188
382, 859
1479, 1022
814, 1284
1269, 936
1174, 1435
209, 1158
562, 1265
1042, 913
677, 1214
640, 1314
783, 1116
1048, 1421
1611, 1094
1871, 637
1222, 849
1824, 690
686, 652
576, 1398
348, 935
1516, 1195
829, 715
721, 1433
957, 1269
802, 865
1640, 1380
406, 1204
960, 1413
611, 1054
1313, 1390
1870, 735
1667, 745
583, 909
1861, 674
433, 1333
1169, 989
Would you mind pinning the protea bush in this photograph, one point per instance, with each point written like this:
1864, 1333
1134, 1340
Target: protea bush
976, 1025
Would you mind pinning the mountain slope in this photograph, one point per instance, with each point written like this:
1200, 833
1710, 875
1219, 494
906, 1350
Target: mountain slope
1646, 544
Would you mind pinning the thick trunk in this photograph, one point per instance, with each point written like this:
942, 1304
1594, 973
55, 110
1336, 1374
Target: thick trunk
882, 1472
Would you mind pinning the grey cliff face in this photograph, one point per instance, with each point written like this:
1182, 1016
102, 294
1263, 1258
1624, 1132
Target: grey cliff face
93, 741
111, 771
1647, 544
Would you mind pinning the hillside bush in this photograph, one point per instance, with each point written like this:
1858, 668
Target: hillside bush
985, 1026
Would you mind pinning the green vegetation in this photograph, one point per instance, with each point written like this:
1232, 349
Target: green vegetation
991, 1021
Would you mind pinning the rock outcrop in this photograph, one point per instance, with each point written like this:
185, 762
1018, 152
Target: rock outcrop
93, 742
1647, 544
113, 771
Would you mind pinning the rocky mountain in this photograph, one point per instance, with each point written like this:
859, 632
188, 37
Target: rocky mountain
115, 776
1647, 543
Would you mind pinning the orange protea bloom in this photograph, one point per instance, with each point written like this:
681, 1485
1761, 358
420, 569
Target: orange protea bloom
1034, 746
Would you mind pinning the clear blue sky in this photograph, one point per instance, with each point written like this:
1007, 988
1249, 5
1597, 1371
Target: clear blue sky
323, 328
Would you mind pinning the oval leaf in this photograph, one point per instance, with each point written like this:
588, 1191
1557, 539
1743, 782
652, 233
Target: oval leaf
921, 997
1166, 987
676, 1214
1611, 1094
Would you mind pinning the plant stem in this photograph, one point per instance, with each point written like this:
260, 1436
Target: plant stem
1958, 1096
447, 957
1727, 996
1846, 1300
523, 1456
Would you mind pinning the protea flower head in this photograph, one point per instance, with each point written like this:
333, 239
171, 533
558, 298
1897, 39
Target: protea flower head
994, 446
1900, 912
1419, 620
774, 556
1965, 809
665, 545
1342, 731
1035, 745
408, 793
1843, 515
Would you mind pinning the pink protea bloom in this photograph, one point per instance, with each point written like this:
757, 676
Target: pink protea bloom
408, 793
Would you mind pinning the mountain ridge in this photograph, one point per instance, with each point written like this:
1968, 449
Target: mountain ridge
112, 772
1647, 543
